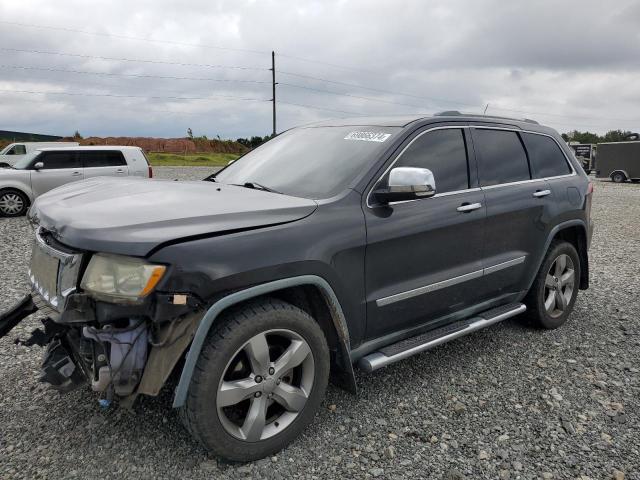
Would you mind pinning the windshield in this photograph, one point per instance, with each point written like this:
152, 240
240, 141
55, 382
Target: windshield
311, 162
26, 160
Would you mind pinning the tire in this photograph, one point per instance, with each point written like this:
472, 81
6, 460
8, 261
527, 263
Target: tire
226, 400
618, 177
13, 203
546, 307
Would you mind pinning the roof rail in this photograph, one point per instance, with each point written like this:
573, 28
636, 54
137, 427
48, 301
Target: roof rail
455, 113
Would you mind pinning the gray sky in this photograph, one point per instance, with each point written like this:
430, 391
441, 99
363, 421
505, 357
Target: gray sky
569, 64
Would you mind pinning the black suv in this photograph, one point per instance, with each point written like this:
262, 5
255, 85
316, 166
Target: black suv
349, 243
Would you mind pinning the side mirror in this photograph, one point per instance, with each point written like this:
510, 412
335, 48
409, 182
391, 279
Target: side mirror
38, 166
407, 183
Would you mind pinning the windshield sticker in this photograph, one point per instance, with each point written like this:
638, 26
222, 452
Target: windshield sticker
368, 136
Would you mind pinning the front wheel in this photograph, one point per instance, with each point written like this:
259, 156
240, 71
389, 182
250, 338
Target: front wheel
258, 382
13, 203
555, 288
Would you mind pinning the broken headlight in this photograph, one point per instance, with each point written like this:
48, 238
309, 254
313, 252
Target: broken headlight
118, 278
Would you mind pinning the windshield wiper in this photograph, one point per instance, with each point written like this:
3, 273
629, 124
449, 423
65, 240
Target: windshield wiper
257, 186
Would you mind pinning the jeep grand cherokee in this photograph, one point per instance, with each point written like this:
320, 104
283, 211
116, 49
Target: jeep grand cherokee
348, 243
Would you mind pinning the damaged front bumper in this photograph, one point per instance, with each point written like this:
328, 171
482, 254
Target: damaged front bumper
117, 359
120, 350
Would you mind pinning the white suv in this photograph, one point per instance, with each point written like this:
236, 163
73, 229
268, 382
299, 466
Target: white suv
45, 169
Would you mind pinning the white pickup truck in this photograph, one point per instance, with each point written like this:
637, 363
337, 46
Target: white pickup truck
42, 170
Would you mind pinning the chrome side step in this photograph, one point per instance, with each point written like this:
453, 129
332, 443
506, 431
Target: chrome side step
412, 346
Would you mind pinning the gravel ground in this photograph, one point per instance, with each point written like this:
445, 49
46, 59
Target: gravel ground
507, 402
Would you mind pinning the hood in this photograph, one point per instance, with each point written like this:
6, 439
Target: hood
133, 216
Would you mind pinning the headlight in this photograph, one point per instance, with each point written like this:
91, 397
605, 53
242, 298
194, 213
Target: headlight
120, 278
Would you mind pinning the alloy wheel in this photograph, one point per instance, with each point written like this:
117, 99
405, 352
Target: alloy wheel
559, 285
11, 203
265, 385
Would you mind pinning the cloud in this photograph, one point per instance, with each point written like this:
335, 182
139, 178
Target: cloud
569, 64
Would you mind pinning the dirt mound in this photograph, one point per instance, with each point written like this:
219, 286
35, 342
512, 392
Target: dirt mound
168, 145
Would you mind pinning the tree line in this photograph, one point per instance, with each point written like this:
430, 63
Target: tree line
610, 136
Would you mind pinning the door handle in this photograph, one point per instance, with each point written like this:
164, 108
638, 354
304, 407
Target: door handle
76, 174
541, 193
469, 207
119, 170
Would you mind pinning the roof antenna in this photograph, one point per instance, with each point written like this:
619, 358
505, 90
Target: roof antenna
485, 109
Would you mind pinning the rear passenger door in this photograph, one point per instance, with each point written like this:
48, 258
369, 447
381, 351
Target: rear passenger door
424, 257
58, 169
517, 209
104, 163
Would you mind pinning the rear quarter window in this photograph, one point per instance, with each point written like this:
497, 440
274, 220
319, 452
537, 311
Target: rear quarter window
104, 158
547, 160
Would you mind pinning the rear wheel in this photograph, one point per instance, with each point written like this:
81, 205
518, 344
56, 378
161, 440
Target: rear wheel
258, 382
618, 177
13, 203
555, 288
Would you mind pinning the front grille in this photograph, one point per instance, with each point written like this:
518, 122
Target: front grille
53, 273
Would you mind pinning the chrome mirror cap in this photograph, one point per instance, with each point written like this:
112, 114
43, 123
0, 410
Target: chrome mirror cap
412, 180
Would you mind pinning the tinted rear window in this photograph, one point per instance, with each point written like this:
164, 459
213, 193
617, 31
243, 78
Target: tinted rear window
104, 158
445, 154
502, 157
547, 160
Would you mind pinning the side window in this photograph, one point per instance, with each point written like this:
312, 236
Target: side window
502, 157
57, 160
103, 158
444, 153
547, 160
17, 150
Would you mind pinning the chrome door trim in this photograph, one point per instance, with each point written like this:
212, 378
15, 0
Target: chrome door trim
381, 302
503, 265
475, 189
397, 297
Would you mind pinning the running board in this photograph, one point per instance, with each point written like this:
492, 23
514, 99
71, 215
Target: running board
411, 346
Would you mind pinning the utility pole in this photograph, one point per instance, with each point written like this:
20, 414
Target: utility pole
273, 86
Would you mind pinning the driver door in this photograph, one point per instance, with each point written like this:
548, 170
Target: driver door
59, 168
424, 257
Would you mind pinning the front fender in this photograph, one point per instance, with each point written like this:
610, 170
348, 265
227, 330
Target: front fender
26, 189
217, 308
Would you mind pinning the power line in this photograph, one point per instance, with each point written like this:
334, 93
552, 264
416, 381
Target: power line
131, 75
152, 97
362, 87
205, 79
226, 97
182, 44
442, 100
564, 116
349, 95
161, 62
329, 64
130, 37
319, 108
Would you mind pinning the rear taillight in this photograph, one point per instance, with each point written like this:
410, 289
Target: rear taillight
590, 188
150, 171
